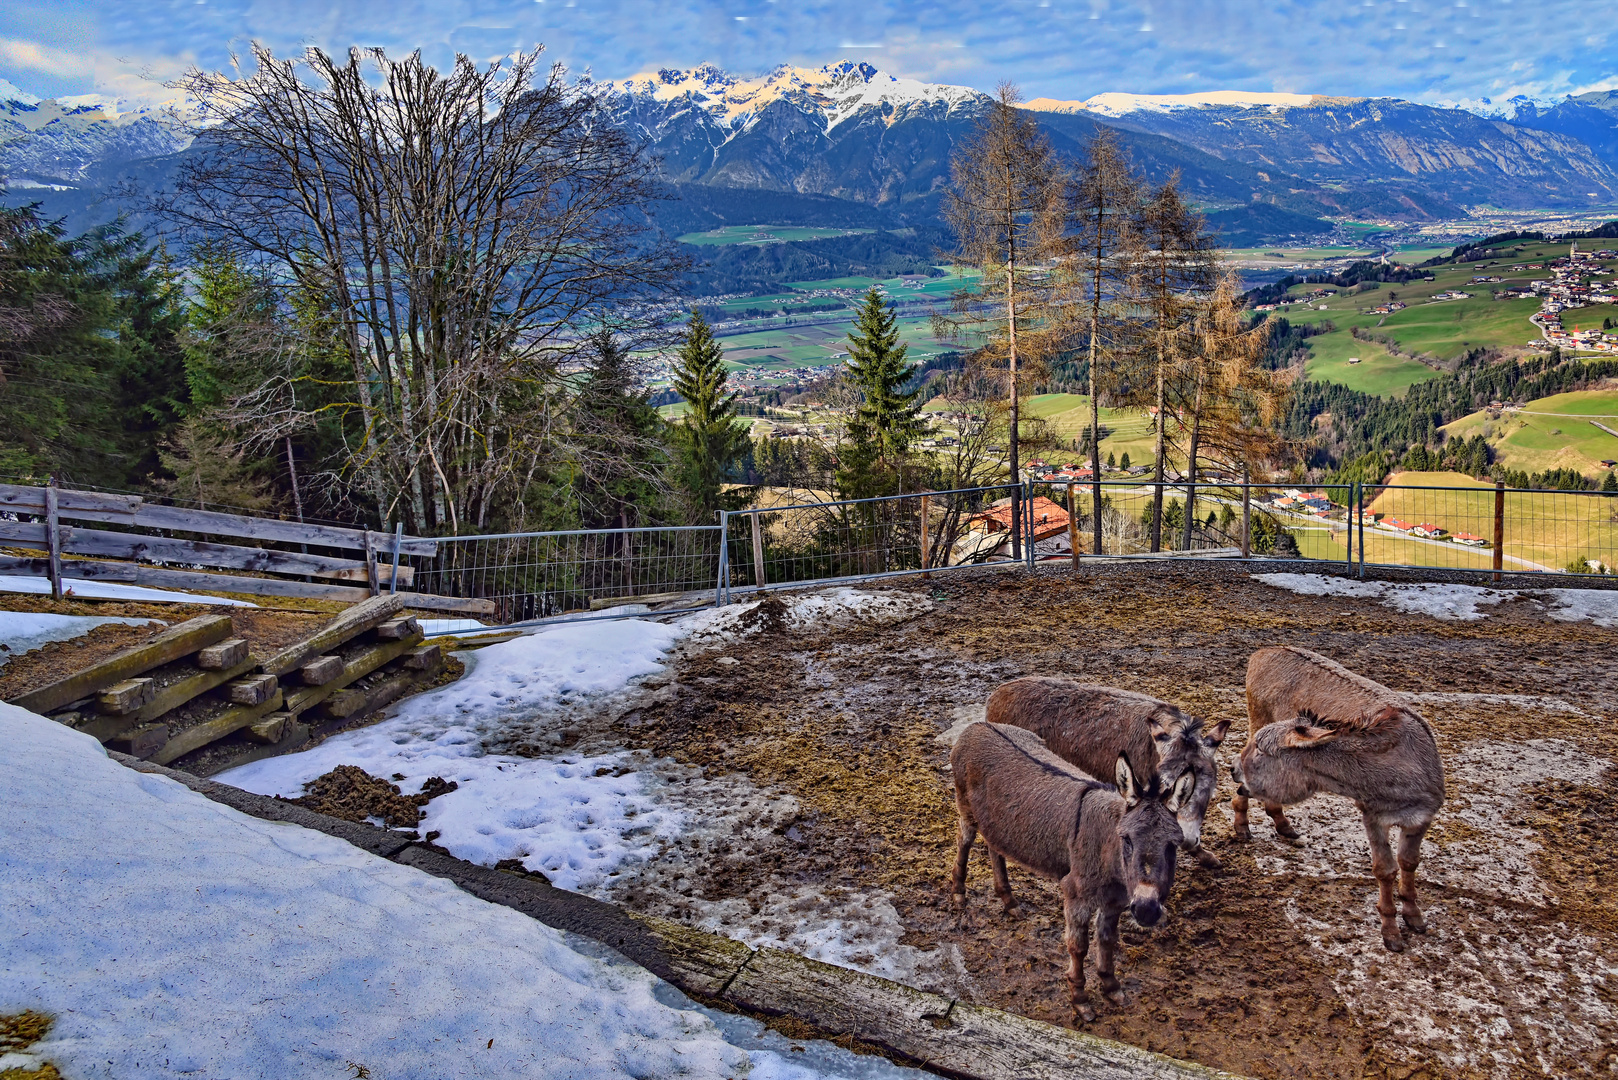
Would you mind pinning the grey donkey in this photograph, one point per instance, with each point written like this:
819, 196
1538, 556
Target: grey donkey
1317, 726
1108, 849
1089, 725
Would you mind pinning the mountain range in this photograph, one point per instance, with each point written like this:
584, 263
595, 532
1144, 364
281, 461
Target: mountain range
844, 141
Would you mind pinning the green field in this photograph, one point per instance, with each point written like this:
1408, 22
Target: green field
1562, 438
1378, 371
764, 234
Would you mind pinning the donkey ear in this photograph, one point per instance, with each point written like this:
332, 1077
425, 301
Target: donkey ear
1381, 716
1181, 792
1305, 732
1215, 735
1124, 776
1161, 724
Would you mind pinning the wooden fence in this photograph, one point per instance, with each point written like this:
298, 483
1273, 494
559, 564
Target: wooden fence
173, 547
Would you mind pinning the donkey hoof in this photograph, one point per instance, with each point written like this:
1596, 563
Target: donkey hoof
1208, 860
1084, 1012
1393, 944
1416, 925
1242, 832
1286, 831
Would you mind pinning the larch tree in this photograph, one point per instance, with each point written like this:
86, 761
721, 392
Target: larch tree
1233, 402
1005, 207
708, 437
1175, 271
1098, 268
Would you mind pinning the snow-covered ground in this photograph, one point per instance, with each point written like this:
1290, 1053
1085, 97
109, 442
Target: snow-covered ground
169, 935
1450, 601
607, 821
110, 590
21, 631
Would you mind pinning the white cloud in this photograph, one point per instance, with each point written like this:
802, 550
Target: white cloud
44, 58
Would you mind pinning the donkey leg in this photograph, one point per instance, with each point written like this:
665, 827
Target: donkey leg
1278, 817
1238, 809
1076, 938
1409, 859
1386, 871
1002, 882
963, 848
1107, 951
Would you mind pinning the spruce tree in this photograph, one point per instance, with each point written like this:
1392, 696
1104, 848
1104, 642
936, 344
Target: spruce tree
619, 431
888, 418
708, 437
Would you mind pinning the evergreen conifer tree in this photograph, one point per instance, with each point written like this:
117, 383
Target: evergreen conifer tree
708, 437
888, 417
619, 434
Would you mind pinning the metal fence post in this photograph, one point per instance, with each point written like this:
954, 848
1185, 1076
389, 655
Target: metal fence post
926, 555
724, 559
1073, 522
1359, 519
53, 539
1348, 527
1028, 516
758, 554
398, 539
1499, 527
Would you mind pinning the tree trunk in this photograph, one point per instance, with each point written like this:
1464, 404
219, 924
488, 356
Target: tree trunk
1159, 450
1191, 464
1011, 331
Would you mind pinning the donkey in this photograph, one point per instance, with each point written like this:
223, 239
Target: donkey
1108, 849
1089, 726
1317, 726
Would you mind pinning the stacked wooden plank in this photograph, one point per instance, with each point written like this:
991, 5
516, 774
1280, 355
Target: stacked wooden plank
193, 697
128, 556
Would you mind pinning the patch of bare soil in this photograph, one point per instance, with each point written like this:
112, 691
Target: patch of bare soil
1271, 966
351, 793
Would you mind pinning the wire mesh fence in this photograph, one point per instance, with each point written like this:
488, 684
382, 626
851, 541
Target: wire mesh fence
539, 575
1485, 529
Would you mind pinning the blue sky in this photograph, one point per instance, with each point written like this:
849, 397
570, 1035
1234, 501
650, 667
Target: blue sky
1456, 51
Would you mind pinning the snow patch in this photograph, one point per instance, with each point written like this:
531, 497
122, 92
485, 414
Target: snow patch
109, 590
1441, 601
1599, 606
21, 631
1116, 104
1492, 853
318, 953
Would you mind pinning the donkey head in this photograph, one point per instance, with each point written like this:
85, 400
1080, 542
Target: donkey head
1148, 835
1289, 760
1183, 743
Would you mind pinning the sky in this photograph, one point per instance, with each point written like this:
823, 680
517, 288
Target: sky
1453, 52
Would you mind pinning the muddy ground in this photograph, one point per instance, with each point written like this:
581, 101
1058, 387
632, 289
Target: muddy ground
818, 753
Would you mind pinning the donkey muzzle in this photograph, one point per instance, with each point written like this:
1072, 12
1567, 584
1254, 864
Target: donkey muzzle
1146, 912
1241, 785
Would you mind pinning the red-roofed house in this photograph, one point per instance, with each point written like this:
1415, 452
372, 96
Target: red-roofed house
1394, 524
1432, 532
1468, 539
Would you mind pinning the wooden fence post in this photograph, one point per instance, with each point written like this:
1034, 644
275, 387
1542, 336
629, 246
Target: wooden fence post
53, 539
1073, 523
926, 551
1499, 527
758, 554
1247, 513
372, 577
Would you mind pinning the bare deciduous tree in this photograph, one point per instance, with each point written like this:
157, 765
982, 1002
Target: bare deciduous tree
471, 228
1005, 206
1099, 268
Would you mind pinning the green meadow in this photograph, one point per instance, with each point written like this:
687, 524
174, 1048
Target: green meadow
1550, 433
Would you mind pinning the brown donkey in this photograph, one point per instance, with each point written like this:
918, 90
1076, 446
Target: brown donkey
1317, 726
1089, 725
1108, 849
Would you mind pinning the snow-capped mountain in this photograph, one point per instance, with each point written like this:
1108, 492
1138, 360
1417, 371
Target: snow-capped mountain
1450, 154
55, 141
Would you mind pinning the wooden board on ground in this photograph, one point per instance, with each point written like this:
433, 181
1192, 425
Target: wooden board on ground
170, 644
220, 721
351, 623
358, 661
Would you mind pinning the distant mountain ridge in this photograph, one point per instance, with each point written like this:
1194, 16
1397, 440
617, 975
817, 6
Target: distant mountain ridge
53, 142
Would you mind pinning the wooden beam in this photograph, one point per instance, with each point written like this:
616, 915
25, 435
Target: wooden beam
371, 612
268, 730
142, 741
226, 654
132, 510
170, 644
394, 629
253, 690
355, 667
125, 697
347, 703
229, 720
164, 549
194, 581
320, 670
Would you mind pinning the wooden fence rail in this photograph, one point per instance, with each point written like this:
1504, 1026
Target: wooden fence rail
189, 561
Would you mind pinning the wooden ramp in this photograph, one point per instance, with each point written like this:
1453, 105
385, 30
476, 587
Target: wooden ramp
193, 696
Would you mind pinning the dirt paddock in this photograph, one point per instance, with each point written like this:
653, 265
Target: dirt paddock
819, 756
